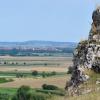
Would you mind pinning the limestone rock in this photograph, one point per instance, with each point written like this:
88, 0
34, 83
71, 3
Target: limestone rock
87, 54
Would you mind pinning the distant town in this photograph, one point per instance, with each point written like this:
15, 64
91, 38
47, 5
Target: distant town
33, 48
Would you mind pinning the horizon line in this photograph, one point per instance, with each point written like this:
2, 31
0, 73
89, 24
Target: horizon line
40, 41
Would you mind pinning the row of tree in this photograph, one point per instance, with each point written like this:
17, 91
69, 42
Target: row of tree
36, 73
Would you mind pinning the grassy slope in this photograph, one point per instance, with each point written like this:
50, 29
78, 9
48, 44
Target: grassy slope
90, 85
90, 96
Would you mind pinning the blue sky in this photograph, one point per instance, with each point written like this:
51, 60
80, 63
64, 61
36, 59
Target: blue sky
53, 20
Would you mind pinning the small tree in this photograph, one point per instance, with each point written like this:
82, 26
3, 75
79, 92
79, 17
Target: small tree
44, 74
5, 63
4, 96
22, 93
45, 64
49, 87
70, 70
16, 63
12, 63
19, 75
24, 63
35, 73
53, 73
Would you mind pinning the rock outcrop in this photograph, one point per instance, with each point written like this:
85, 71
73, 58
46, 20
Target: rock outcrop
87, 55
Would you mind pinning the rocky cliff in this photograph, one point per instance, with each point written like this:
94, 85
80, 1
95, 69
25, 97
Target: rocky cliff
87, 55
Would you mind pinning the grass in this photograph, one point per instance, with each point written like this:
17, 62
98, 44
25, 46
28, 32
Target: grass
55, 95
4, 80
52, 92
47, 93
90, 96
10, 91
60, 95
89, 85
29, 74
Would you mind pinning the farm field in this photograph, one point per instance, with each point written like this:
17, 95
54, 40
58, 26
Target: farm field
58, 64
9, 66
36, 82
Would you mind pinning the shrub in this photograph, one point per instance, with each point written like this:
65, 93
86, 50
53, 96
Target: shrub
48, 74
44, 74
37, 96
4, 96
35, 73
45, 64
53, 73
49, 87
4, 80
53, 92
24, 63
70, 70
22, 93
19, 75
5, 63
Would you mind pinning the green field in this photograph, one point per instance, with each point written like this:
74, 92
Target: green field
29, 74
10, 92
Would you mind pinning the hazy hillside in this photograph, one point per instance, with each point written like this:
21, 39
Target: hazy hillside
38, 44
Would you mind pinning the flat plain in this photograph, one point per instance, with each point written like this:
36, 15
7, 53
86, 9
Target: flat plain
58, 64
40, 64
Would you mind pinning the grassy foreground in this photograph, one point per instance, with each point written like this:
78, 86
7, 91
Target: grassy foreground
49, 94
94, 94
90, 96
91, 85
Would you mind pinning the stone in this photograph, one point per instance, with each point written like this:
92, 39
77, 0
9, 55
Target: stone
87, 54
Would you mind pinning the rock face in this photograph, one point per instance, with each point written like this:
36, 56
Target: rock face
87, 54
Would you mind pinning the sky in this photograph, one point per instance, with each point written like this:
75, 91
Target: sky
49, 20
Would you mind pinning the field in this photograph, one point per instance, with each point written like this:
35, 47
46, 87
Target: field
9, 66
58, 64
51, 71
18, 70
36, 83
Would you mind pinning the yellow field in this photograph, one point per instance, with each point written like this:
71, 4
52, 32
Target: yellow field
37, 83
32, 68
58, 64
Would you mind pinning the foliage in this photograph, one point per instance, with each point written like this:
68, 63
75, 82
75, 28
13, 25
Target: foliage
24, 93
49, 87
43, 74
52, 92
35, 73
70, 70
4, 96
37, 96
48, 74
4, 80
20, 75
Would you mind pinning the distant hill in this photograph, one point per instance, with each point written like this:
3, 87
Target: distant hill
36, 48
35, 43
